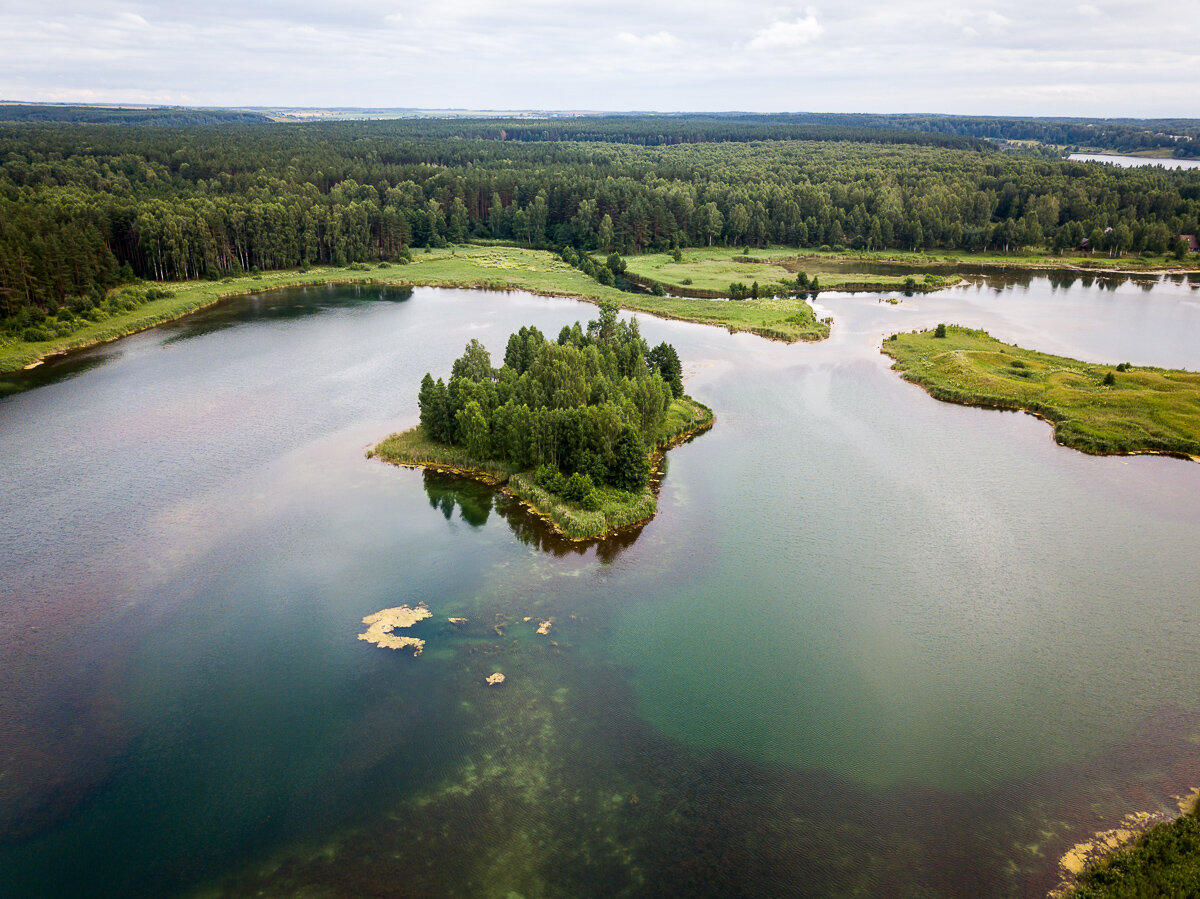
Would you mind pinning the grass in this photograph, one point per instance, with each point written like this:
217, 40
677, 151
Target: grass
619, 509
490, 268
713, 269
1144, 410
942, 259
1165, 861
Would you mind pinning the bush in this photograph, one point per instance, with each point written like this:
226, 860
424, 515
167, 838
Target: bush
1110, 380
940, 331
577, 487
592, 501
33, 335
658, 290
549, 478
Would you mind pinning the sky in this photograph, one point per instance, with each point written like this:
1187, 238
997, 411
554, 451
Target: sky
1136, 58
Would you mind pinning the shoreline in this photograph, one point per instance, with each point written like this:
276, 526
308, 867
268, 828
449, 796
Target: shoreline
193, 296
1087, 407
522, 494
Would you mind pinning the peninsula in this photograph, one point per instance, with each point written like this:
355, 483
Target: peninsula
1100, 409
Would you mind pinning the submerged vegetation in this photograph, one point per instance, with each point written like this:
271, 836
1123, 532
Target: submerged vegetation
1121, 409
568, 426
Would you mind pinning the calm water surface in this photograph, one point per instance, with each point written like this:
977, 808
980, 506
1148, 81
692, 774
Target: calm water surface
1133, 162
872, 643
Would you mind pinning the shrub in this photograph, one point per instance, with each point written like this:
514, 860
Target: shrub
658, 290
1017, 363
1110, 380
577, 487
940, 331
549, 478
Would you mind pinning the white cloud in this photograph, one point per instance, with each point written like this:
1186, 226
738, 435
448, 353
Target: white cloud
996, 21
662, 40
783, 35
1087, 9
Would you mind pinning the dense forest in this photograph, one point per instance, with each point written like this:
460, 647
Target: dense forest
86, 207
125, 115
584, 409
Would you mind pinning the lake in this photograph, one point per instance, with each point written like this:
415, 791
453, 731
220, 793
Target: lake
872, 644
1132, 162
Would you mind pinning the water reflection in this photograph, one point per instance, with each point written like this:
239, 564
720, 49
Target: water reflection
447, 493
52, 372
474, 503
282, 306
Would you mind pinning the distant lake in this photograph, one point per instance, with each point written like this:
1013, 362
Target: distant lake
1130, 162
873, 644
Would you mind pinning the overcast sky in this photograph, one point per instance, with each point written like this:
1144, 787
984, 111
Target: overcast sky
1007, 57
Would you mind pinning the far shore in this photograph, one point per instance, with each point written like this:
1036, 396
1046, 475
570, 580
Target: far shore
503, 268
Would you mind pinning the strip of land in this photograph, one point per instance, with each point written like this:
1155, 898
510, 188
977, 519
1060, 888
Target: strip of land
1099, 409
487, 268
619, 509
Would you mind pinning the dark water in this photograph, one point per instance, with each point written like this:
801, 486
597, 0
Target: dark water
873, 644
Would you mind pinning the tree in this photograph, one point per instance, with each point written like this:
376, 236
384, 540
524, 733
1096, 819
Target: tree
664, 360
630, 468
605, 233
473, 430
475, 364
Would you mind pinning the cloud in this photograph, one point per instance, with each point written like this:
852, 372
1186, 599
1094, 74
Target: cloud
662, 40
996, 21
1086, 9
783, 35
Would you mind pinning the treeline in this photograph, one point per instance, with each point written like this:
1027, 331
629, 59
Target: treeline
168, 116
80, 205
584, 409
1180, 136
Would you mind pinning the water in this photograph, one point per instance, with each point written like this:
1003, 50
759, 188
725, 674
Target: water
872, 643
1129, 162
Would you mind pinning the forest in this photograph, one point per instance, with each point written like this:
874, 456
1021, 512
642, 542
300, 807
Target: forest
86, 207
584, 409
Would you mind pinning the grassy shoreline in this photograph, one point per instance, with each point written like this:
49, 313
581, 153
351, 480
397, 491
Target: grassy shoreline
487, 268
1093, 408
411, 449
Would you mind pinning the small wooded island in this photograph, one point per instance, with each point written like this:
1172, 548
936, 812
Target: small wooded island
571, 427
1099, 409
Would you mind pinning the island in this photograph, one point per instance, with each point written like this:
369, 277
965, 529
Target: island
573, 428
1100, 409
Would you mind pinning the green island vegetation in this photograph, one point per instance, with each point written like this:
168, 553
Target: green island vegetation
570, 427
1101, 409
1164, 861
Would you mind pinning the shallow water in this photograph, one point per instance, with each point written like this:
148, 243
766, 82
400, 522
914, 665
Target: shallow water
871, 643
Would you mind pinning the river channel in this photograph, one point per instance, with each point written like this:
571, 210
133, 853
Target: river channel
872, 644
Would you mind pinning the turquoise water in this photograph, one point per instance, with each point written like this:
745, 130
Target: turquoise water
872, 643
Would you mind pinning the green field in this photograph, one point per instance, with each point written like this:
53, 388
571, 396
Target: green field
493, 268
1141, 410
619, 509
713, 269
